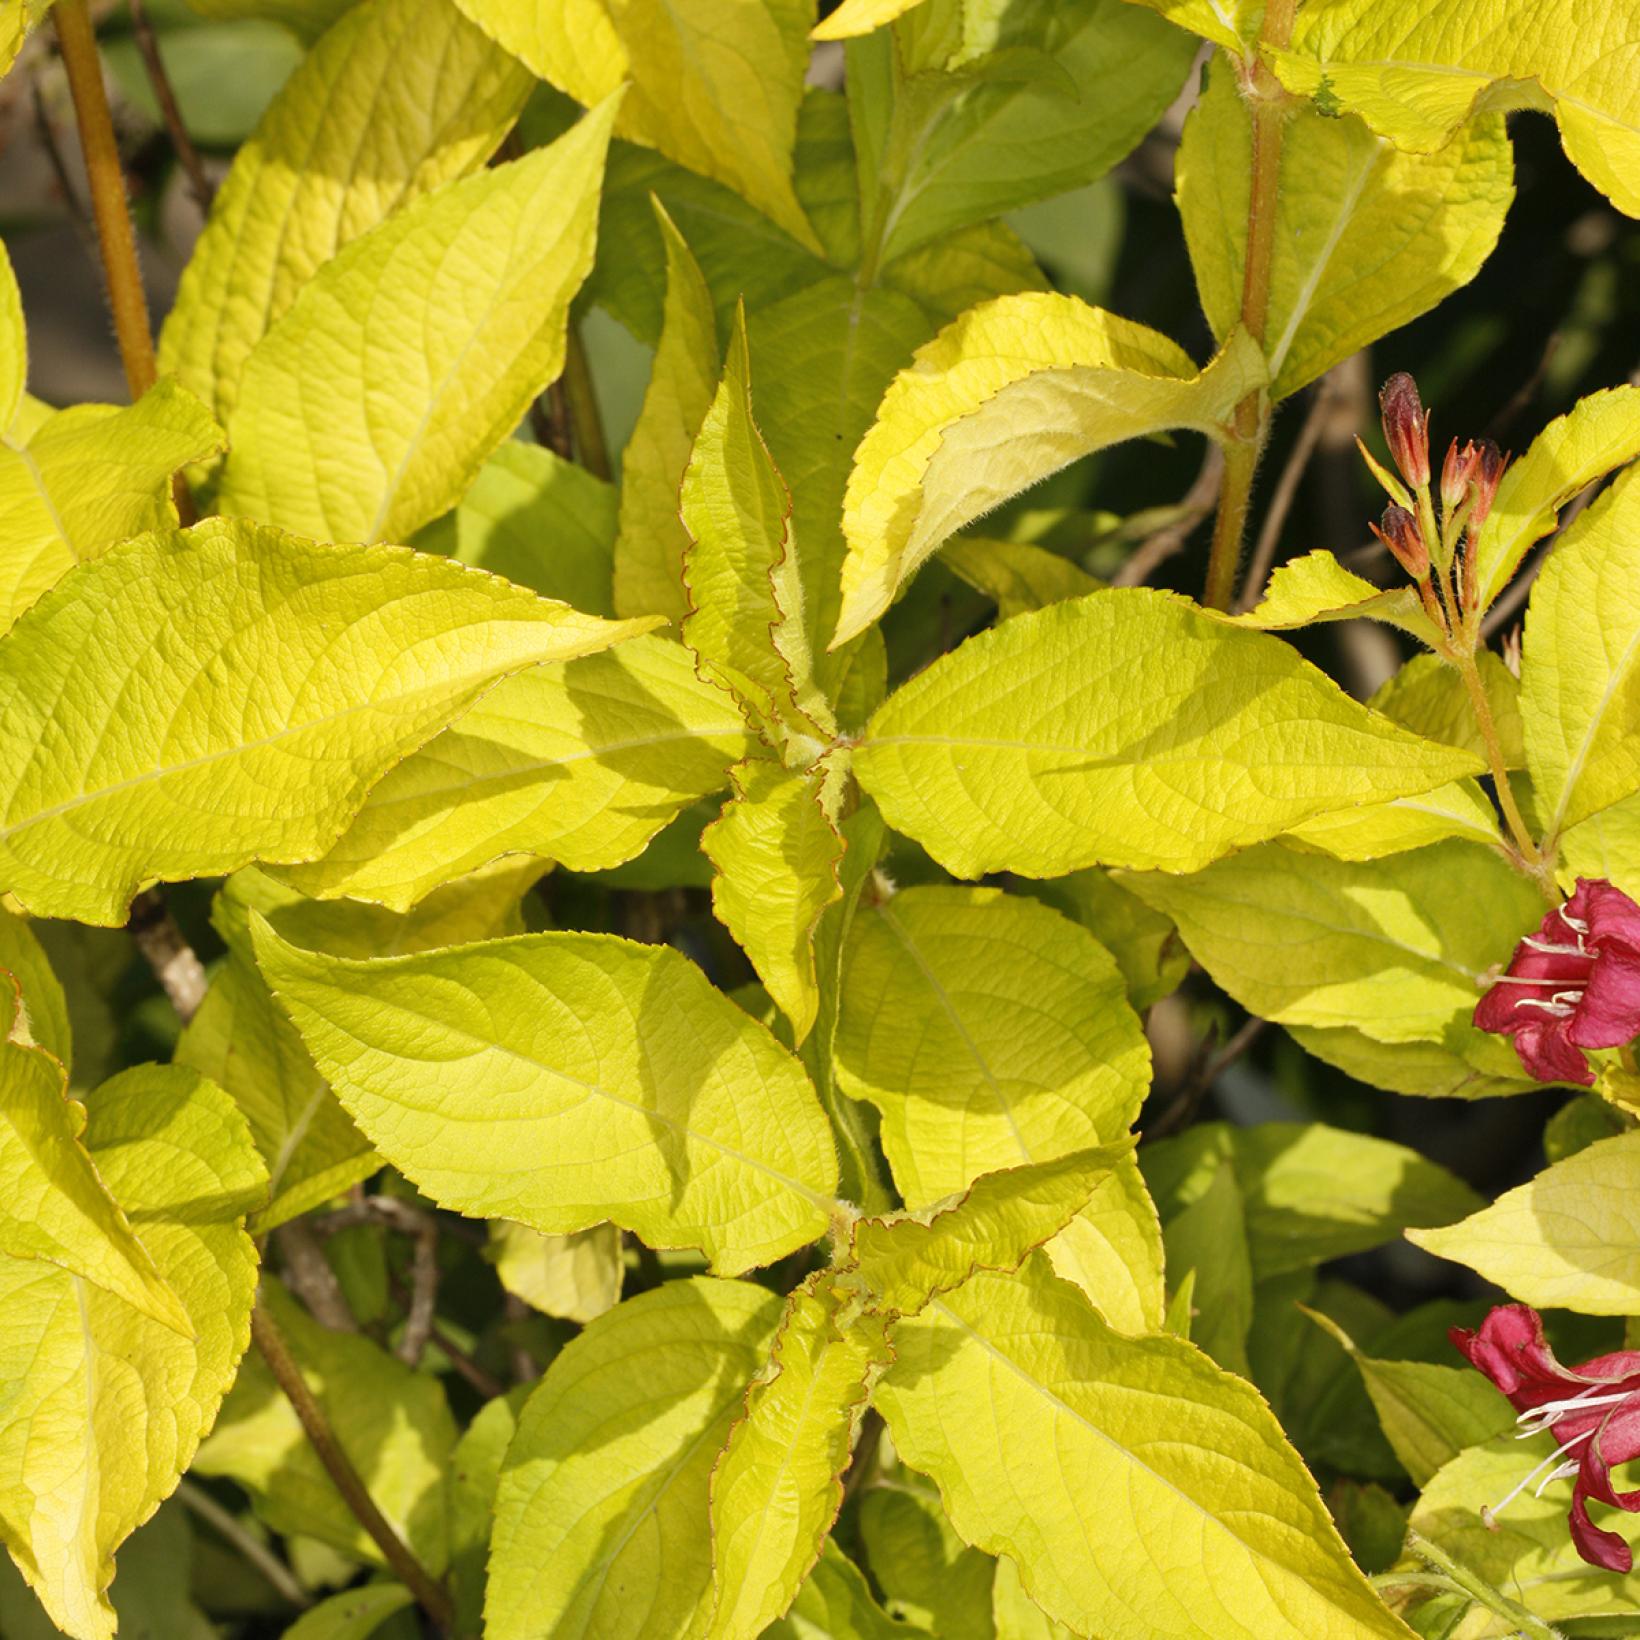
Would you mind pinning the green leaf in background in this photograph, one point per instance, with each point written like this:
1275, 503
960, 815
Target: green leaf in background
930, 1576
577, 1277
1417, 74
746, 617
292, 678
581, 763
650, 546
778, 1485
1459, 811
1145, 944
87, 1372
353, 1615
564, 1079
1047, 1435
1126, 728
1568, 1239
1233, 24
714, 85
89, 478
370, 406
776, 850
537, 520
1206, 1244
1011, 392
1428, 697
1311, 1192
1041, 98
1599, 433
601, 1518
1428, 1411
906, 1260
306, 19
836, 1603
475, 1474
1366, 238
1526, 1550
1397, 949
391, 1421
399, 98
1480, 1067
1580, 665
57, 1206
34, 1009
1016, 576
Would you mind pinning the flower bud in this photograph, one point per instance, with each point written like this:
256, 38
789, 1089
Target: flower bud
1406, 427
1399, 532
1474, 470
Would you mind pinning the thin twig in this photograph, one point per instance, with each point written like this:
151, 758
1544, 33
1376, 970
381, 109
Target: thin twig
433, 1598
486, 1383
199, 185
227, 1527
308, 1274
585, 419
1286, 491
1196, 503
167, 952
1210, 1066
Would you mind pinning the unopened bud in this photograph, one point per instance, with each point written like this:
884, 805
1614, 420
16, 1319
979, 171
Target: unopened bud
1474, 471
1399, 532
1406, 427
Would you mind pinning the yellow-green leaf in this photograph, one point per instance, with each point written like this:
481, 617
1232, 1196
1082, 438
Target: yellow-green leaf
778, 1485
1429, 1411
908, 1259
936, 984
1207, 1248
1126, 728
1140, 1489
776, 849
577, 1277
13, 336
564, 1079
1580, 666
1607, 845
836, 1603
1017, 577
1598, 433
399, 98
1013, 391
88, 478
1567, 1239
651, 543
1486, 1067
57, 1208
1145, 944
355, 1614
1428, 697
1233, 24
1317, 587
1524, 1549
290, 678
928, 1575
1366, 238
391, 1421
581, 763
1420, 71
747, 620
1460, 811
601, 1518
41, 1007
104, 1406
715, 84
1397, 949
369, 407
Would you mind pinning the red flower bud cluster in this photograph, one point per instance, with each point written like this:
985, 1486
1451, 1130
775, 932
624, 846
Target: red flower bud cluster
1406, 428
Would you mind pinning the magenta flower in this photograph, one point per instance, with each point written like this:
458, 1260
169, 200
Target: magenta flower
1574, 984
1592, 1410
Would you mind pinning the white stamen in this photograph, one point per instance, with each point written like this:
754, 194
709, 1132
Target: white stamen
1556, 1005
1551, 950
1576, 924
1526, 979
1537, 1419
1489, 1515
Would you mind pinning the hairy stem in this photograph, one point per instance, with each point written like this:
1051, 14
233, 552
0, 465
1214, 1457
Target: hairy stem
252, 1549
1480, 1591
1252, 418
1531, 856
431, 1596
121, 271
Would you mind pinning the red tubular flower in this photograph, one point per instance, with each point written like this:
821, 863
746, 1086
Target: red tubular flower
1406, 427
1593, 1410
1572, 985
